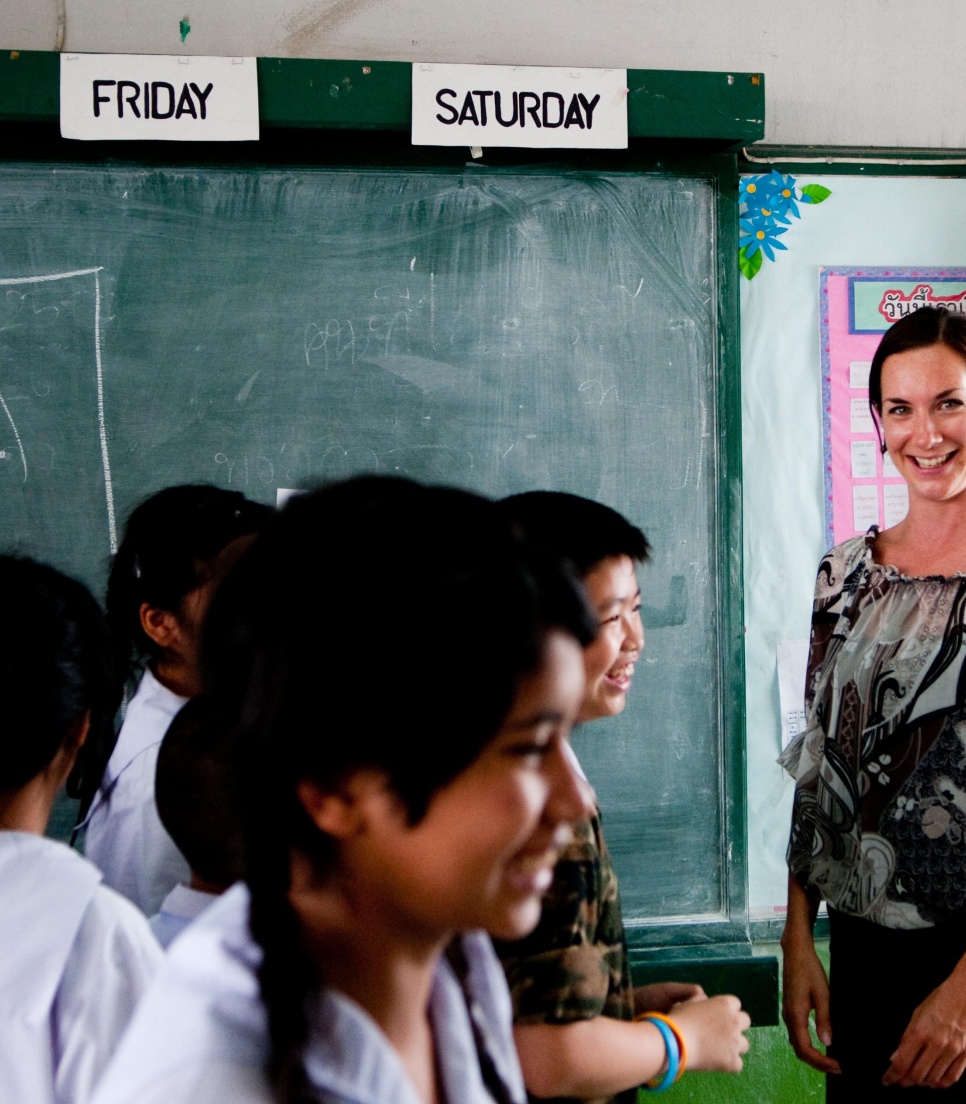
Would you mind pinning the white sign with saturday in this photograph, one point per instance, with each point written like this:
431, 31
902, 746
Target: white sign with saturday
143, 97
510, 105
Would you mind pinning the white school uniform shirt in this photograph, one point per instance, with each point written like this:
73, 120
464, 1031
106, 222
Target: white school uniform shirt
182, 905
201, 1032
75, 958
123, 834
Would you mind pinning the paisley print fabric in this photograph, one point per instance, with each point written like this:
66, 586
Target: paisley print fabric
879, 817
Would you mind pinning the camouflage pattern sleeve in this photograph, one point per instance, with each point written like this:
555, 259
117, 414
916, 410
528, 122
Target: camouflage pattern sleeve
573, 966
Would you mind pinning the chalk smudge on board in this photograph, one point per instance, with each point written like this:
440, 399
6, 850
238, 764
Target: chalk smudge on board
246, 389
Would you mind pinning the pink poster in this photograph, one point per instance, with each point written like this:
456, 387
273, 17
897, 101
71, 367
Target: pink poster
856, 306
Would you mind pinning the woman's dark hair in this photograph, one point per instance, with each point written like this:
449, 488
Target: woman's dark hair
171, 544
375, 623
55, 666
919, 330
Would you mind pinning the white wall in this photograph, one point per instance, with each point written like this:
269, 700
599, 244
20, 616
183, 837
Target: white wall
860, 224
838, 72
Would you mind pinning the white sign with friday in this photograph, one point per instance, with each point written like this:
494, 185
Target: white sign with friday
144, 97
510, 105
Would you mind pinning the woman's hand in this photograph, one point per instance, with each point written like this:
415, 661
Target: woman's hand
804, 984
932, 1050
804, 989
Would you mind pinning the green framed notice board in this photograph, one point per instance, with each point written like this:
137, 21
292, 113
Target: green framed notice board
332, 301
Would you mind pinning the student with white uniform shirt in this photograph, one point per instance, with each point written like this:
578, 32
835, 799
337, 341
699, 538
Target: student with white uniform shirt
177, 545
391, 810
192, 791
76, 956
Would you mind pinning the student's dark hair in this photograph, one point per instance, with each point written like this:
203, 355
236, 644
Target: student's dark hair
327, 650
919, 330
55, 666
192, 789
582, 531
171, 544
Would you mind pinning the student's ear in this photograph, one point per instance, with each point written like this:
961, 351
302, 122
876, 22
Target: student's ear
159, 625
343, 811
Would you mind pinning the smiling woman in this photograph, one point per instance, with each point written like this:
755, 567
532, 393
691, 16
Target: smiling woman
879, 820
923, 414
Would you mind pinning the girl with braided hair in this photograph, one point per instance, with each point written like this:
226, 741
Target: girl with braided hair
400, 674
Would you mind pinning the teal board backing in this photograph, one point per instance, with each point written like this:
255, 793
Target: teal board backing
503, 329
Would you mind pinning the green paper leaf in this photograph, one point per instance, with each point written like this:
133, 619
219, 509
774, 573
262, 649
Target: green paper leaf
815, 193
749, 265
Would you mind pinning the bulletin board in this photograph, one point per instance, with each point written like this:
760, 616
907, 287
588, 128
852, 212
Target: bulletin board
856, 307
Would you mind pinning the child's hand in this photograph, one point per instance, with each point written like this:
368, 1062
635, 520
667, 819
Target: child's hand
713, 1031
663, 995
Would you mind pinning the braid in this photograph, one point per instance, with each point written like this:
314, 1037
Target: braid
287, 977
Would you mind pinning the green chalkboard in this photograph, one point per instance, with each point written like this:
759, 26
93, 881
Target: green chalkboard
504, 329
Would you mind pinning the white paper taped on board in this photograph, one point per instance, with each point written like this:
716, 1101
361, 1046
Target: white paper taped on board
863, 459
149, 97
792, 659
859, 374
530, 106
865, 506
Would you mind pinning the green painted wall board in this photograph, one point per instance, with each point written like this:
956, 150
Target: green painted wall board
501, 329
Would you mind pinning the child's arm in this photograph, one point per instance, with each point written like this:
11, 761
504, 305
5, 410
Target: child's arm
602, 1056
661, 996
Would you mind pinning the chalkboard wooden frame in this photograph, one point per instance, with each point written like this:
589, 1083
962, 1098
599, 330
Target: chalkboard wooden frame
714, 942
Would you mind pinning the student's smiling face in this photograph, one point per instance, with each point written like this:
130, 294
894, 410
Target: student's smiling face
483, 854
615, 599
924, 420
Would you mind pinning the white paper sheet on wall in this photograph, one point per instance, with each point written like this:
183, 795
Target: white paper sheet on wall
863, 460
792, 662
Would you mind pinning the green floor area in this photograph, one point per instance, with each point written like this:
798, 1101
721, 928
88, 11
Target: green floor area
772, 1073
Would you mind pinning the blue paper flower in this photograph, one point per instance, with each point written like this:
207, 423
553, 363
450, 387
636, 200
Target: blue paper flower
758, 232
772, 196
767, 203
781, 193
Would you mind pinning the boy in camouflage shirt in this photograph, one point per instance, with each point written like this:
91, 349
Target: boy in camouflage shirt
574, 1005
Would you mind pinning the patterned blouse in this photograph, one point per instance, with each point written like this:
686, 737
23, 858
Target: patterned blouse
879, 817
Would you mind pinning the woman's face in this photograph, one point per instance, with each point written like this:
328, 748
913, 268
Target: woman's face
615, 599
484, 853
924, 420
